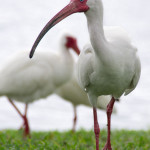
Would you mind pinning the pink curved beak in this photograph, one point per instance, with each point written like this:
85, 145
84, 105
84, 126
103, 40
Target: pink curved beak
73, 7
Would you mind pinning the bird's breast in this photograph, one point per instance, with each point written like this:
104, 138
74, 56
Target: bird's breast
112, 82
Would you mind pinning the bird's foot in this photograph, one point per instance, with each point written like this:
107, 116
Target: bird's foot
107, 147
26, 127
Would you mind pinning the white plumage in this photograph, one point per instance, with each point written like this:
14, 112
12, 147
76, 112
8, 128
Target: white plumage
72, 92
25, 80
29, 80
109, 66
99, 67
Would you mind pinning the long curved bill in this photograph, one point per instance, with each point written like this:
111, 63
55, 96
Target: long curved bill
71, 8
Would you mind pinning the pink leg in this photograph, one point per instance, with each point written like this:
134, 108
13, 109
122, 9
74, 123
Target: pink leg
109, 112
75, 119
27, 130
26, 124
15, 107
96, 128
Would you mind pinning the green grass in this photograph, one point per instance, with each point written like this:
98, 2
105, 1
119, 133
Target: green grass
81, 140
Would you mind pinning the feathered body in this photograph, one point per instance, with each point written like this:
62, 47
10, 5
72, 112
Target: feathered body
110, 65
72, 92
26, 80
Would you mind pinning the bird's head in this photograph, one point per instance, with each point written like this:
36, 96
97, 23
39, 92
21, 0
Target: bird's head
71, 42
73, 7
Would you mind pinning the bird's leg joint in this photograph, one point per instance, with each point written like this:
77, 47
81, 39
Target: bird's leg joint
110, 106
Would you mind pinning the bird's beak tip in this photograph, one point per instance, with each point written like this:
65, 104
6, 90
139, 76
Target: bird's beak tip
30, 55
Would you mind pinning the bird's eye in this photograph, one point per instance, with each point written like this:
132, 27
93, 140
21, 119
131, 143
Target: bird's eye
81, 0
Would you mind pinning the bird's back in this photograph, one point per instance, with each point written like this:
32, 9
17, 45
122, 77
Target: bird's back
27, 79
127, 60
117, 34
115, 71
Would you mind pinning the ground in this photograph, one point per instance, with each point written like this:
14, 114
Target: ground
81, 140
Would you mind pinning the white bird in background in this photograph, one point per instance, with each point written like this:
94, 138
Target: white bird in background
72, 92
26, 80
111, 67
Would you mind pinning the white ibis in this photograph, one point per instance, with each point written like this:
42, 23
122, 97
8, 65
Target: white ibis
111, 67
26, 80
72, 92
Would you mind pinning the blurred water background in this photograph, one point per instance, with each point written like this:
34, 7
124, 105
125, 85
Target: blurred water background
20, 23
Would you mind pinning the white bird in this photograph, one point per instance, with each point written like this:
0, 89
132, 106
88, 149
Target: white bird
26, 80
111, 67
72, 92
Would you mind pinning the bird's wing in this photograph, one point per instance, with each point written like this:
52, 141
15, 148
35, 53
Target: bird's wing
24, 76
119, 37
136, 76
84, 65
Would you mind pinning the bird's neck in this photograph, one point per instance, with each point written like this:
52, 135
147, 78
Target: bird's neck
64, 68
67, 59
96, 31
